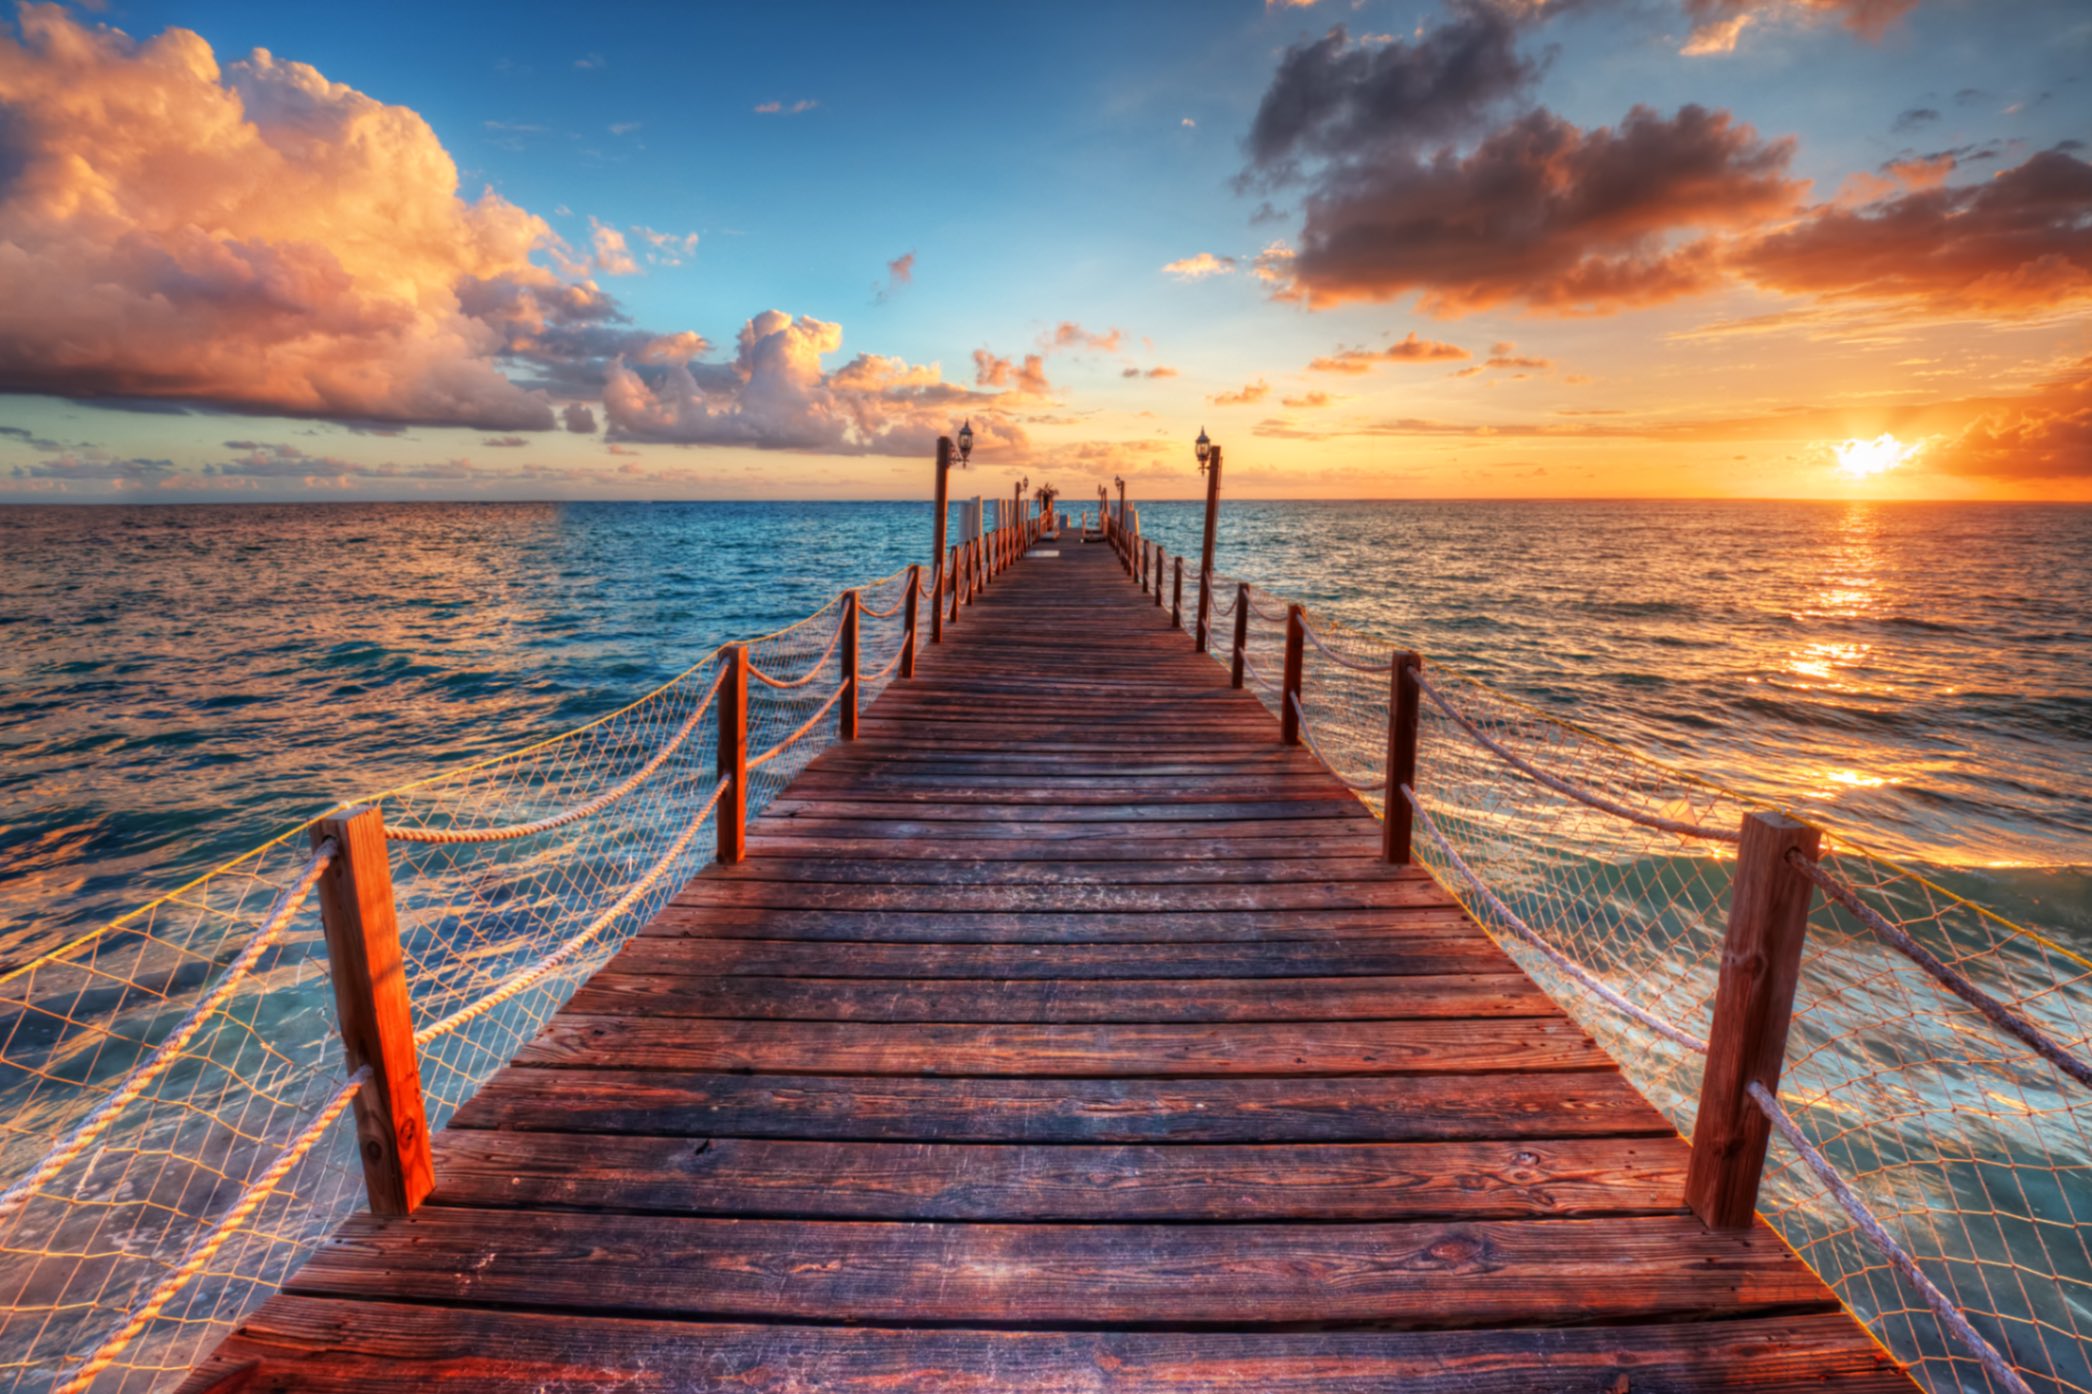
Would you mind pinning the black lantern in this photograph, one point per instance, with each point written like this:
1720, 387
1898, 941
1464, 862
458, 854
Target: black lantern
1204, 447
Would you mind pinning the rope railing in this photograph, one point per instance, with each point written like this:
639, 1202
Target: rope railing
579, 811
200, 1255
2012, 1023
1936, 1063
161, 1076
1587, 797
169, 1050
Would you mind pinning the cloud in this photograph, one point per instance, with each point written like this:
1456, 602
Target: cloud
97, 467
899, 272
1024, 377
591, 62
1307, 400
774, 108
1197, 268
1560, 219
612, 255
625, 128
2045, 436
579, 418
505, 442
666, 248
1914, 118
1069, 335
2013, 244
1716, 23
776, 395
255, 237
1331, 98
1160, 370
1188, 124
1409, 349
1253, 392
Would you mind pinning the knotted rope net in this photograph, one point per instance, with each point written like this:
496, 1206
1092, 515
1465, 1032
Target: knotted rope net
171, 1084
1938, 1057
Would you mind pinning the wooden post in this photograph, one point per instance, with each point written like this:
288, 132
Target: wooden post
1159, 570
733, 757
851, 668
1753, 1003
1396, 814
1241, 632
1176, 597
370, 1000
1205, 622
955, 583
908, 618
944, 506
1289, 690
937, 601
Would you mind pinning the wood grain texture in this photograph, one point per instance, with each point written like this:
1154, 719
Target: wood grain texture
1065, 1032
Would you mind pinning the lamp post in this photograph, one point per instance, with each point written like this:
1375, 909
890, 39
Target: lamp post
1209, 465
1017, 504
937, 523
1104, 511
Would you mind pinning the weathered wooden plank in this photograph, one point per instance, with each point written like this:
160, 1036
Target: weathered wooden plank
1157, 809
1369, 1108
1403, 923
572, 1040
334, 1346
1429, 1274
1330, 958
947, 1181
1074, 896
1043, 1000
1070, 872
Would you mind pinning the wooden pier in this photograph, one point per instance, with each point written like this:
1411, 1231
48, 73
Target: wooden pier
1063, 1032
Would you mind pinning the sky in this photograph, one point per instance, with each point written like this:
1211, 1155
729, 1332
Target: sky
1457, 248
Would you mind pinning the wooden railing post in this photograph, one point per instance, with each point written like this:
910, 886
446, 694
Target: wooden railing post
1289, 690
733, 757
955, 583
1176, 597
1396, 814
1753, 1003
1241, 631
937, 602
370, 1000
1205, 620
1159, 570
852, 669
908, 619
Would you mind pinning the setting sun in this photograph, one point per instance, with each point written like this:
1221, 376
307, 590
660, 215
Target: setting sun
1863, 459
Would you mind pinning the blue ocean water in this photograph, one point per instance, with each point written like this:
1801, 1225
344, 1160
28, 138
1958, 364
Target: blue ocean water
177, 683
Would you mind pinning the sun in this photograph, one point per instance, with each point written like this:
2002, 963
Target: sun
1863, 459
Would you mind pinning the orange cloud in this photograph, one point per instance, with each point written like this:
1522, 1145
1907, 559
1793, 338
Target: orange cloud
254, 236
1253, 392
1025, 377
2014, 244
1410, 349
1197, 268
1068, 335
776, 395
2045, 436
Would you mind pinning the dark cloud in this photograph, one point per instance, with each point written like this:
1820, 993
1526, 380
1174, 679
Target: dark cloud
579, 418
1543, 213
1335, 99
2019, 242
1915, 117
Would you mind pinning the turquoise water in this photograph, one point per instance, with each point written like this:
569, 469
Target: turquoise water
178, 682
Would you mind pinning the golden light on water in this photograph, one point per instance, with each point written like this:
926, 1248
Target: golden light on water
1863, 459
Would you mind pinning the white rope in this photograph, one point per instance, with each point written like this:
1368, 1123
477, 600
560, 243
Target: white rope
1249, 670
806, 677
1573, 791
1339, 659
536, 972
1260, 612
579, 811
1526, 932
169, 1049
807, 725
1864, 1220
1216, 610
229, 1224
1996, 1012
1307, 734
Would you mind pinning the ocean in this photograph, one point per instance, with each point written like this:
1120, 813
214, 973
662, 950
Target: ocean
178, 683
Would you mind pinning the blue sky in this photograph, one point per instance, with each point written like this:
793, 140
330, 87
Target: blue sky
1044, 164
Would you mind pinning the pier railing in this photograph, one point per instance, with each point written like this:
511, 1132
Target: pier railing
1898, 1079
173, 1085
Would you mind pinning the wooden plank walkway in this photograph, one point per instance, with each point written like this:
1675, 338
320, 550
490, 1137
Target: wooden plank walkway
1061, 1034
